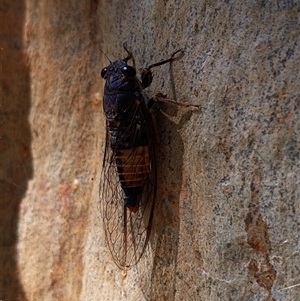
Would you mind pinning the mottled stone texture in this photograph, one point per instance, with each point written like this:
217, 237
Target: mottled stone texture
226, 225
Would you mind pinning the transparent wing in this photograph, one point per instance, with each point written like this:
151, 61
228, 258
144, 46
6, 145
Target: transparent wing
127, 233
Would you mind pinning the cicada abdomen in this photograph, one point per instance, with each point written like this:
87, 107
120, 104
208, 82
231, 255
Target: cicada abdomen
128, 188
133, 166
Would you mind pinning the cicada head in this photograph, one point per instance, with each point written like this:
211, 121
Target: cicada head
119, 77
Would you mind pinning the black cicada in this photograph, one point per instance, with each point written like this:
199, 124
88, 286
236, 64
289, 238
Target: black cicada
128, 189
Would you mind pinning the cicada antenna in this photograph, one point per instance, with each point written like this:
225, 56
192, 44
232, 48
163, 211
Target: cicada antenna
129, 56
106, 56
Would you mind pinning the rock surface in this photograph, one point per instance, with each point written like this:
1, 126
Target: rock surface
226, 225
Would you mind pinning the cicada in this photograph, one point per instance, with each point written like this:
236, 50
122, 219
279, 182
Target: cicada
128, 182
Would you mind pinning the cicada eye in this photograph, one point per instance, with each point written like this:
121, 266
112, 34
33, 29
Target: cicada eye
128, 71
103, 72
